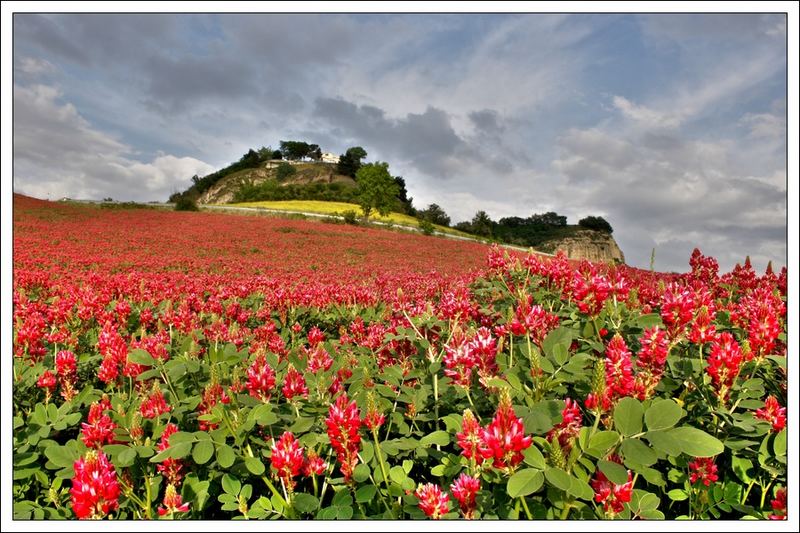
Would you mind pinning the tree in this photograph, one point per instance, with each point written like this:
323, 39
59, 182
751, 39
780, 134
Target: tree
376, 189
314, 152
295, 150
277, 154
550, 218
435, 215
284, 171
264, 153
350, 161
250, 159
405, 200
482, 224
596, 223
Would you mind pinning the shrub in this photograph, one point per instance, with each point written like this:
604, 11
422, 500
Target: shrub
350, 217
285, 171
596, 223
426, 227
186, 203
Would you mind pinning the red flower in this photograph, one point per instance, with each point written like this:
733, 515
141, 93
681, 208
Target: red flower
533, 320
433, 502
95, 489
170, 468
318, 359
99, 429
724, 363
472, 445
619, 372
173, 503
66, 364
315, 336
212, 394
294, 384
287, 458
260, 379
464, 489
155, 405
313, 464
343, 423
704, 470
47, 381
773, 412
779, 505
650, 361
374, 418
612, 496
569, 427
505, 436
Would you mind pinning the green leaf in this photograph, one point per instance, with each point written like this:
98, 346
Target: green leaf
361, 473
525, 482
580, 489
677, 495
141, 357
302, 425
225, 456
179, 451
615, 473
558, 478
648, 321
779, 446
558, 337
534, 458
397, 474
305, 503
741, 466
231, 485
366, 493
628, 416
696, 442
601, 442
61, 456
254, 465
664, 442
442, 438
202, 452
638, 452
662, 414
342, 498
126, 457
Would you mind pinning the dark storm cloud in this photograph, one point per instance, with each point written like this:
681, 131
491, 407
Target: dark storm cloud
427, 140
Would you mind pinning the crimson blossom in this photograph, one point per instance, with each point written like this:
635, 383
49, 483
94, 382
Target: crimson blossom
703, 470
433, 502
343, 423
464, 490
613, 496
773, 413
287, 459
505, 436
95, 490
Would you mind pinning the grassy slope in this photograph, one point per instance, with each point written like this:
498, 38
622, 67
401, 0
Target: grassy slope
331, 208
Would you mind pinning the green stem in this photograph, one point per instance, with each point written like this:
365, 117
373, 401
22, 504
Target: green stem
469, 398
268, 483
567, 509
148, 489
510, 351
525, 506
379, 453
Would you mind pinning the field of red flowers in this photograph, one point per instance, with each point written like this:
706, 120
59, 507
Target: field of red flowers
209, 366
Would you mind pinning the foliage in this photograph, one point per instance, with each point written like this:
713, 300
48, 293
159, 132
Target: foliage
377, 190
296, 150
350, 161
285, 171
596, 223
435, 215
350, 217
185, 203
426, 226
381, 378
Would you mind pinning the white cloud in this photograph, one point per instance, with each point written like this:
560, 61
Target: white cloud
59, 153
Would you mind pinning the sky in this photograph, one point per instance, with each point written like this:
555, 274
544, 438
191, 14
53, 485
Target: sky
670, 126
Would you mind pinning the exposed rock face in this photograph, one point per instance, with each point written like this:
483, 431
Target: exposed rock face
592, 245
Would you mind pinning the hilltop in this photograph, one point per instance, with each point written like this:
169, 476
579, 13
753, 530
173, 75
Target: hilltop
301, 172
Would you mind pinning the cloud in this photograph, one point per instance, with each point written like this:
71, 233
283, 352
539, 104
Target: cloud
59, 153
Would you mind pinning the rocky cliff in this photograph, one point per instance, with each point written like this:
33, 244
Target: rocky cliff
587, 244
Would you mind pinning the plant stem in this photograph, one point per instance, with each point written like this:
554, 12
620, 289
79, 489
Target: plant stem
567, 509
525, 506
380, 460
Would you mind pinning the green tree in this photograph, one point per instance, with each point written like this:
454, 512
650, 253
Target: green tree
435, 214
350, 161
377, 190
482, 224
596, 223
284, 171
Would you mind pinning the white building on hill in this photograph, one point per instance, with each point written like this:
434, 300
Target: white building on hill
329, 157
